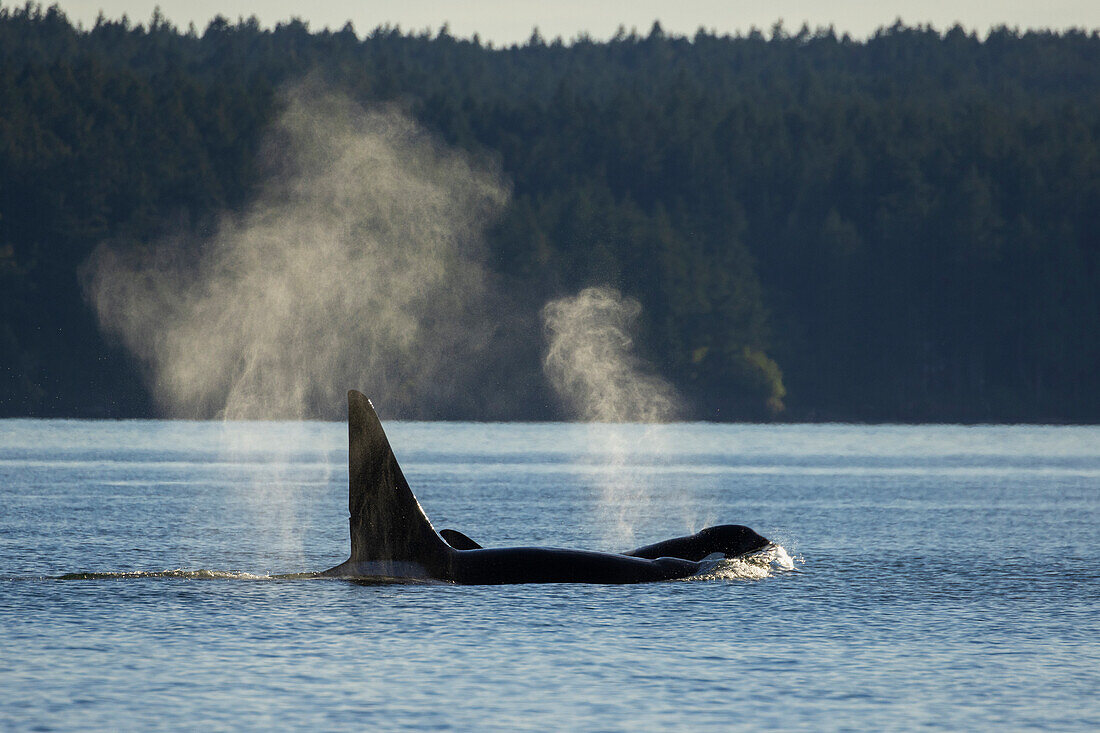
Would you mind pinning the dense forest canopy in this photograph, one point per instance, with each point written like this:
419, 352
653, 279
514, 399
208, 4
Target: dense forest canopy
902, 228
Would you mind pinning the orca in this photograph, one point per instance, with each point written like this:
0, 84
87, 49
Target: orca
393, 540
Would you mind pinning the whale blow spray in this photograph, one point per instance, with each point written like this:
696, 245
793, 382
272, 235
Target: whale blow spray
358, 262
591, 364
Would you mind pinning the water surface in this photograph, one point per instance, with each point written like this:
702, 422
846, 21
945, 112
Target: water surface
945, 577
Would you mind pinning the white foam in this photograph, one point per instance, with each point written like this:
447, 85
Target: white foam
766, 563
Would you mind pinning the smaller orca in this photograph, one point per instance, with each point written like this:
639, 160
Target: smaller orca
727, 540
392, 538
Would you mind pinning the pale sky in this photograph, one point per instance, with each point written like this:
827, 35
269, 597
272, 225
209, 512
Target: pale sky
510, 21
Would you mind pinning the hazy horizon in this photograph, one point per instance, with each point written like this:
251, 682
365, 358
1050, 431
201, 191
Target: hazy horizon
503, 24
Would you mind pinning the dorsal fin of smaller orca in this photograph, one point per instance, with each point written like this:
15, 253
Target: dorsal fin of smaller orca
457, 540
387, 522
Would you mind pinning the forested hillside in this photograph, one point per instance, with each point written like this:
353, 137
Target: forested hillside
903, 228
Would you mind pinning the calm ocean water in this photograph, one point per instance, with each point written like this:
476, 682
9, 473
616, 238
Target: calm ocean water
943, 577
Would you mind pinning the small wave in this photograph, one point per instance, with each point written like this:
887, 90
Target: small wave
178, 573
768, 562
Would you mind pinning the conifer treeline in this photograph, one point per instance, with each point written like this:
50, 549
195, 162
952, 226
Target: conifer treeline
902, 228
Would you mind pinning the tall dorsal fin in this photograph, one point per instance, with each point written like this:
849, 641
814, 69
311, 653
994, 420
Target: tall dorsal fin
387, 522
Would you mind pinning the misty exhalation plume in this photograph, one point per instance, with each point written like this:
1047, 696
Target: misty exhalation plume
591, 364
358, 264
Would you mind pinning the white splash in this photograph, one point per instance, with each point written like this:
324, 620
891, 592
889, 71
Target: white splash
766, 563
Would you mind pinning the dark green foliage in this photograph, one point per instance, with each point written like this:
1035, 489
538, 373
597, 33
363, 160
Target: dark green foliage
906, 228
